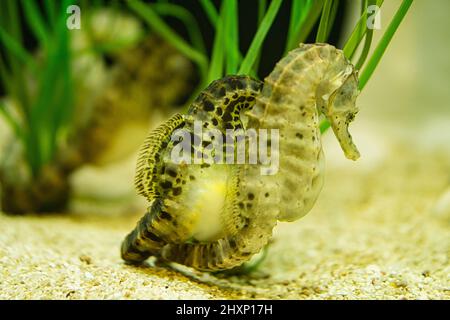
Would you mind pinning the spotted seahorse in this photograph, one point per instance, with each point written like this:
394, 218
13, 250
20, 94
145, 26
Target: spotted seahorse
216, 216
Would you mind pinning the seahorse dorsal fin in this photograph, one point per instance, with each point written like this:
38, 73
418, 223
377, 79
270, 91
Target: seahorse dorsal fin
149, 155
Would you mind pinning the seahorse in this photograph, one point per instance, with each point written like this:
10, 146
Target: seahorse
214, 216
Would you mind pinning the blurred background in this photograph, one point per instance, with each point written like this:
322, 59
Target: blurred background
78, 103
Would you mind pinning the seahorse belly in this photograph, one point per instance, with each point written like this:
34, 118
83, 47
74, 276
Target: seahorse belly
205, 199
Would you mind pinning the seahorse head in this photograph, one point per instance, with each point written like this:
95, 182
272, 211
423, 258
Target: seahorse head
337, 102
341, 111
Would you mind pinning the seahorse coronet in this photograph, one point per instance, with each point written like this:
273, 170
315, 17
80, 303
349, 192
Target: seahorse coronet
214, 216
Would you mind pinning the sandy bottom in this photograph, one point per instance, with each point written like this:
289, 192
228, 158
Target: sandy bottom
378, 231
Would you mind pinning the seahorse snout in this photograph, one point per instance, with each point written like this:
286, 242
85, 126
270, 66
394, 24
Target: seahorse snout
340, 129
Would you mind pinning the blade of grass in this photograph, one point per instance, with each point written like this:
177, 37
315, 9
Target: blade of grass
297, 7
52, 100
160, 27
15, 92
324, 22
367, 40
299, 12
50, 8
65, 102
258, 40
333, 13
232, 39
15, 84
304, 28
262, 7
5, 77
217, 57
14, 22
182, 14
365, 51
216, 64
35, 21
32, 150
210, 11
16, 48
384, 42
364, 5
363, 30
213, 17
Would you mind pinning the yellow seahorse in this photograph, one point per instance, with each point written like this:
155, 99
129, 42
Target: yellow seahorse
216, 216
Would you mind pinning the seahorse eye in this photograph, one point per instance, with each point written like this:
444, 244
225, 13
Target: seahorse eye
350, 117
